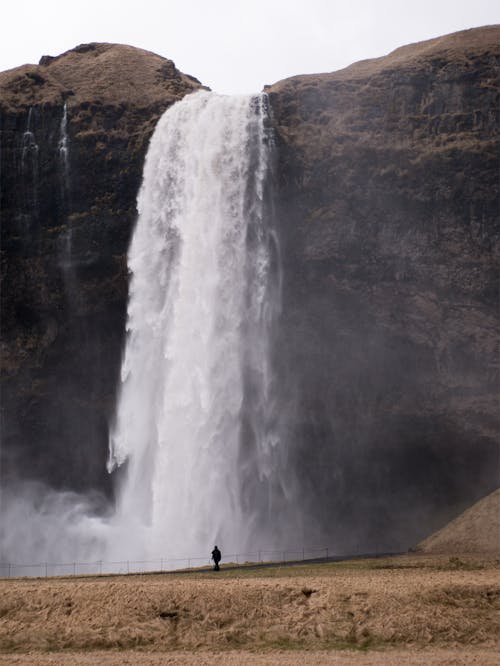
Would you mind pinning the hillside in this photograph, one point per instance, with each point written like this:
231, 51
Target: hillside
476, 530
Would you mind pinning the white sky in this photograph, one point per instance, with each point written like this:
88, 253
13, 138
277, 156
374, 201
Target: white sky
236, 46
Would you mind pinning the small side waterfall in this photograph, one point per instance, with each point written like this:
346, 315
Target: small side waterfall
29, 154
29, 169
63, 147
63, 151
194, 426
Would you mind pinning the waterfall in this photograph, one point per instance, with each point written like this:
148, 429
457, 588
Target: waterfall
63, 151
29, 151
63, 147
195, 429
29, 170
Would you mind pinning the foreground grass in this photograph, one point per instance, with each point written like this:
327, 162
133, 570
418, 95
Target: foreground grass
409, 601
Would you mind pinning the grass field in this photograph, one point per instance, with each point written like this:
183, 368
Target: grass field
408, 609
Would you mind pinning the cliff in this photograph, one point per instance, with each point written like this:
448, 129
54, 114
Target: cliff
388, 207
67, 215
387, 210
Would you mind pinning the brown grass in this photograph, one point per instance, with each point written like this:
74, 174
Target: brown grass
94, 76
477, 529
458, 46
405, 603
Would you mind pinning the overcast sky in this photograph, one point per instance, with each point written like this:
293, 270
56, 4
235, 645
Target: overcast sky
236, 46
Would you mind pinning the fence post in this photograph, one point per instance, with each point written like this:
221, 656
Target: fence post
326, 553
189, 563
260, 558
100, 567
46, 574
303, 555
9, 569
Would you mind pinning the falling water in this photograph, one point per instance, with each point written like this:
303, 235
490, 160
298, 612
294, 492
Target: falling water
195, 428
29, 169
29, 154
67, 250
63, 147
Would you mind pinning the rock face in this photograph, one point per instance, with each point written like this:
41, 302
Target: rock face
67, 216
388, 207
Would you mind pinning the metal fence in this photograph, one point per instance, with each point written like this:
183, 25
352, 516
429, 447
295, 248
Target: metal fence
162, 564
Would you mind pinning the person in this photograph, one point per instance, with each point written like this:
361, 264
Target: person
216, 556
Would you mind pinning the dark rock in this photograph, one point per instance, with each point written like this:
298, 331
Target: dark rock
63, 250
388, 211
35, 78
46, 60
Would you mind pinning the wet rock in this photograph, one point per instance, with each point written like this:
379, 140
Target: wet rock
388, 210
63, 249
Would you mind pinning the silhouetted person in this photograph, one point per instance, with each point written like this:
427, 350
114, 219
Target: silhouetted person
216, 556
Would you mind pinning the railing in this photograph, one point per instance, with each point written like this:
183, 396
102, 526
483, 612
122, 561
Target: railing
163, 564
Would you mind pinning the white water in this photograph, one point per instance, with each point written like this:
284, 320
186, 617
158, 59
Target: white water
63, 146
29, 170
66, 261
29, 150
194, 420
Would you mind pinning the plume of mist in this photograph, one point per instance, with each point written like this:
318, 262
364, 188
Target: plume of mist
39, 524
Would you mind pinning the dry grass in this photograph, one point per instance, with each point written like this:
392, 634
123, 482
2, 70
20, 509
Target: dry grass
477, 529
456, 46
96, 76
393, 657
406, 603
